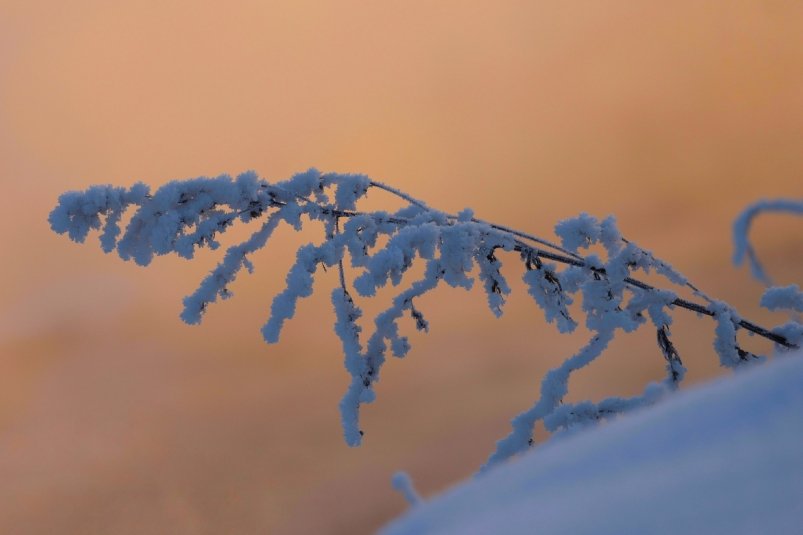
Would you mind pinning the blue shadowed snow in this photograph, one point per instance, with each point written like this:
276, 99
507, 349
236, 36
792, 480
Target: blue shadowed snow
722, 458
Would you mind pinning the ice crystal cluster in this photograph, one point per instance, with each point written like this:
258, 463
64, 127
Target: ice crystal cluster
593, 266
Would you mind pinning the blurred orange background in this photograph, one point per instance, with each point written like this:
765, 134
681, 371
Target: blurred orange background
117, 418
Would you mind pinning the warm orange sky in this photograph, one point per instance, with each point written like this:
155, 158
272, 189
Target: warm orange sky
116, 417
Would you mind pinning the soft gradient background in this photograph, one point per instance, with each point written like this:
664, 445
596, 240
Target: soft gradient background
117, 418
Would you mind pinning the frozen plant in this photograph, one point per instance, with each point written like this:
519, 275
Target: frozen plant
458, 250
741, 228
401, 482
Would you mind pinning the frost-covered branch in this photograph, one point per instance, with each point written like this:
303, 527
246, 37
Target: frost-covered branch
404, 484
741, 228
371, 249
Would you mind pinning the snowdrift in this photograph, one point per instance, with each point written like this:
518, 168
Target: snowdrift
726, 457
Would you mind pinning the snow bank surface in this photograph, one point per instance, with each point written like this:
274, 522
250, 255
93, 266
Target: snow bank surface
723, 458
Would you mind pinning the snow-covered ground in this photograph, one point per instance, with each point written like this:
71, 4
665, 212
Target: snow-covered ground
726, 457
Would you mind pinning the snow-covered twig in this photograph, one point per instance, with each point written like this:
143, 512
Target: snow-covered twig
183, 216
741, 228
